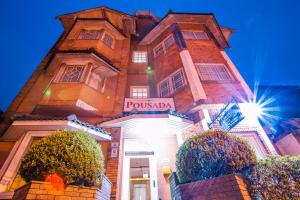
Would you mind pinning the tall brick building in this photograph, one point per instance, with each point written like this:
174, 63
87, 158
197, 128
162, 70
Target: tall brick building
139, 85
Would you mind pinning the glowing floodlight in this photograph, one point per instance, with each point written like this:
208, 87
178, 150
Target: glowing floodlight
253, 110
47, 93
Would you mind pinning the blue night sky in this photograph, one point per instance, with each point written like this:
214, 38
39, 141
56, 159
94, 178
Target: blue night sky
264, 46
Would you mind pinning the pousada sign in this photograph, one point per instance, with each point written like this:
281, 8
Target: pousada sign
148, 104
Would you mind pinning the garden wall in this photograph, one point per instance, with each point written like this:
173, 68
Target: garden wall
45, 190
230, 186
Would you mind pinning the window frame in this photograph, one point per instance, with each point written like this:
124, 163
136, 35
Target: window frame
101, 31
169, 79
195, 37
62, 70
228, 72
110, 35
139, 86
136, 52
162, 43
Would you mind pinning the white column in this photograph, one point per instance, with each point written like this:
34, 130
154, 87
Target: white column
125, 178
192, 76
237, 74
153, 178
262, 134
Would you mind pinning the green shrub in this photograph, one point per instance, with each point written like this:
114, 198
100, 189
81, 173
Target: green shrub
73, 155
212, 154
277, 177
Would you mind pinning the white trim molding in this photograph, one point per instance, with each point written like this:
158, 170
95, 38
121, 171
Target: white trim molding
192, 76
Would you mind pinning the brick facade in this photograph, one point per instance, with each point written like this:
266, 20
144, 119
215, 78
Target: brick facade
224, 187
117, 73
45, 190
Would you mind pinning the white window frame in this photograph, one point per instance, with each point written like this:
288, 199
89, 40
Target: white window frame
198, 65
110, 35
136, 52
162, 43
195, 37
62, 70
139, 86
171, 85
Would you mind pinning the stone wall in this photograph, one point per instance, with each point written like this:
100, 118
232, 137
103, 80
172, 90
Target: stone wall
45, 190
230, 186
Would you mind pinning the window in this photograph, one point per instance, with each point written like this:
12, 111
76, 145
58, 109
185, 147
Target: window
90, 34
213, 72
164, 88
169, 41
172, 83
139, 57
163, 46
195, 35
139, 91
108, 40
96, 81
178, 80
159, 49
72, 73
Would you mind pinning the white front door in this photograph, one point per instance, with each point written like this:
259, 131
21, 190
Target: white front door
139, 192
137, 150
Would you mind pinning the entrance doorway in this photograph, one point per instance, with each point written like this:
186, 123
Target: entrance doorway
139, 179
139, 173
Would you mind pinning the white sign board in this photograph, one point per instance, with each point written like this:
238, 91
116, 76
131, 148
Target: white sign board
148, 104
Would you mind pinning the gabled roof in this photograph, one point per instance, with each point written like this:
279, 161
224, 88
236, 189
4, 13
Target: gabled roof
94, 9
106, 20
175, 17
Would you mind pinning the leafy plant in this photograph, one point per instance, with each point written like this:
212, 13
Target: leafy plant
212, 154
277, 177
74, 155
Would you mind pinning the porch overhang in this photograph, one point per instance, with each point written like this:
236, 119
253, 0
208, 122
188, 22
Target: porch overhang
21, 126
140, 125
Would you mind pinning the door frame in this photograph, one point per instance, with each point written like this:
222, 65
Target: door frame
138, 153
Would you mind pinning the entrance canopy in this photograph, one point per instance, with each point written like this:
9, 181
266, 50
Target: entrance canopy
25, 123
149, 124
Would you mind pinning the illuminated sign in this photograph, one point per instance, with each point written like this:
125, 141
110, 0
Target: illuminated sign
148, 104
228, 117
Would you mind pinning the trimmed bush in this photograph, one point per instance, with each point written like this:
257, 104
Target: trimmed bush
212, 154
73, 155
277, 177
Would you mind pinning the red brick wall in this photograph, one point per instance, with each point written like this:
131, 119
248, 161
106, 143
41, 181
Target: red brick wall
112, 163
230, 186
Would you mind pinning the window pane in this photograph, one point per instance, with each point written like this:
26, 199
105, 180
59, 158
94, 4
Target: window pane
164, 88
95, 81
139, 92
158, 50
188, 35
178, 80
108, 40
195, 35
201, 36
89, 34
213, 73
169, 42
72, 73
139, 57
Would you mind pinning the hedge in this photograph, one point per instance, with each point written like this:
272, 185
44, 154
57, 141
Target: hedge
212, 154
277, 177
73, 155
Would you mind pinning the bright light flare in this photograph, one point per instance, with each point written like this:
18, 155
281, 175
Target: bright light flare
253, 110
